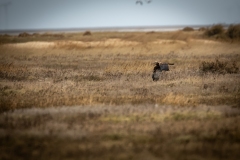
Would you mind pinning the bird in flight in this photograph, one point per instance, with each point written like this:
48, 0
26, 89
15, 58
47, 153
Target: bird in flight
148, 1
141, 1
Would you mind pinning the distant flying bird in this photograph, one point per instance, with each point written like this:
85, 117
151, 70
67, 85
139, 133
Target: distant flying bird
148, 1
139, 1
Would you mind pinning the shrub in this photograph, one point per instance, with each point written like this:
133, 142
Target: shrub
218, 67
202, 29
233, 31
5, 35
151, 32
87, 33
24, 34
188, 29
215, 30
36, 34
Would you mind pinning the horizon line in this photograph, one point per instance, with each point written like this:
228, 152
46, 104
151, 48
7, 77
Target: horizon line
106, 28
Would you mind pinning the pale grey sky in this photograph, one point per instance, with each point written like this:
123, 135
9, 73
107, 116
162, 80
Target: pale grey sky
37, 14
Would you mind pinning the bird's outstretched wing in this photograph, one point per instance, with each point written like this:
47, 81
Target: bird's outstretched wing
139, 2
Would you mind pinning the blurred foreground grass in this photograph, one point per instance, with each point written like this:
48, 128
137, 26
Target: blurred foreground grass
121, 132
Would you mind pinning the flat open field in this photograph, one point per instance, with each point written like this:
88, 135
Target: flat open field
69, 96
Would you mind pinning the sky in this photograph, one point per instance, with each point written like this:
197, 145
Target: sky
46, 14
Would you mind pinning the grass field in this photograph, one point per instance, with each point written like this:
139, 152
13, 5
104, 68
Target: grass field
69, 96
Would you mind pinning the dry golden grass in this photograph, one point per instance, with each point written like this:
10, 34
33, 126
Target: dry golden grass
69, 96
121, 132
